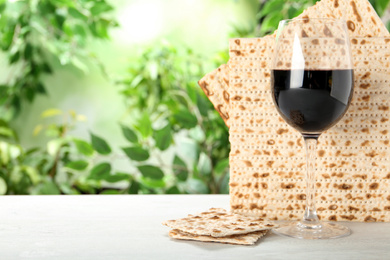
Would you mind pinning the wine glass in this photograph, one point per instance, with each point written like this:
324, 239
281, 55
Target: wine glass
312, 85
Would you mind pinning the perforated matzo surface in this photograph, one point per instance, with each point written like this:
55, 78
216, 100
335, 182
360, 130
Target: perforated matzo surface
267, 156
267, 159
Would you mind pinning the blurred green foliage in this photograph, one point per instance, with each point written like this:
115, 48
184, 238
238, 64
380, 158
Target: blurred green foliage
173, 119
37, 34
67, 165
175, 140
271, 12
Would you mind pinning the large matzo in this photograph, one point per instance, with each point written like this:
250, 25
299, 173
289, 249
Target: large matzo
267, 156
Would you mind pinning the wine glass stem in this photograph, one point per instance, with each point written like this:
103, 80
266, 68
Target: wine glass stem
310, 219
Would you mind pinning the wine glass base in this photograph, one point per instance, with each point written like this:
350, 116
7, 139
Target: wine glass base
322, 230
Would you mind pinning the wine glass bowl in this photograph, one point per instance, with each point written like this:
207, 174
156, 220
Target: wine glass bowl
312, 86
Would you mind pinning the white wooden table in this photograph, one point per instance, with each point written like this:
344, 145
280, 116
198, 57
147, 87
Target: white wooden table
129, 227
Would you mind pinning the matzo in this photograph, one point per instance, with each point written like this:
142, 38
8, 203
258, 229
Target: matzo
361, 18
215, 85
267, 156
244, 239
217, 222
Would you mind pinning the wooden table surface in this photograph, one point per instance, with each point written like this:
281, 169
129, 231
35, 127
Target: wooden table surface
129, 227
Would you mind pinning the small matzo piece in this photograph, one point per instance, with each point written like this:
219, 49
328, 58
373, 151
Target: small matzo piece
243, 239
217, 222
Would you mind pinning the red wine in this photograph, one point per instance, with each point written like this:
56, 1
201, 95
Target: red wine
312, 101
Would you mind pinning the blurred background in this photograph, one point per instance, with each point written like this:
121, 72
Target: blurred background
101, 96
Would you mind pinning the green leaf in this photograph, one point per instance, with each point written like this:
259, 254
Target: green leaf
80, 31
29, 93
173, 190
7, 132
16, 105
134, 187
100, 145
14, 57
180, 98
117, 177
136, 81
197, 134
153, 184
270, 22
66, 188
151, 172
9, 152
83, 147
204, 164
79, 64
49, 188
136, 153
4, 94
46, 68
192, 93
100, 27
129, 134
84, 187
40, 88
78, 165
180, 168
100, 171
163, 137
67, 29
4, 21
32, 173
292, 11
203, 104
271, 7
32, 151
186, 119
8, 35
2, 6
77, 14
384, 5
144, 125
99, 8
28, 51
221, 166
